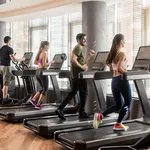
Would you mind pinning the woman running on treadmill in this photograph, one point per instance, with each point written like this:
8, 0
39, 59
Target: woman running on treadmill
41, 60
117, 62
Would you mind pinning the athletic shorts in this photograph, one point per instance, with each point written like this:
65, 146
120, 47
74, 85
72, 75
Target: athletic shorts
7, 74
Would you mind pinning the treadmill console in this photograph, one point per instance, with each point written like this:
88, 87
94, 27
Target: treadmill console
99, 61
28, 57
58, 61
142, 61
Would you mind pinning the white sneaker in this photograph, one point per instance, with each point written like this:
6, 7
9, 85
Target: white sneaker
97, 121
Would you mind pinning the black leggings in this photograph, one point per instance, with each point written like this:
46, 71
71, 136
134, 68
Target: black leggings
43, 81
120, 88
77, 85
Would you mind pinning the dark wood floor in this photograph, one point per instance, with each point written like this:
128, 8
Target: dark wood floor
16, 137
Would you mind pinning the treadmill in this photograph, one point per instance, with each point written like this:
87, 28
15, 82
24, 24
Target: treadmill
86, 139
46, 126
15, 114
27, 82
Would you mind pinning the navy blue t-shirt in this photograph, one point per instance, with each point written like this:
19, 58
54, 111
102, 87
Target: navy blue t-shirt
5, 59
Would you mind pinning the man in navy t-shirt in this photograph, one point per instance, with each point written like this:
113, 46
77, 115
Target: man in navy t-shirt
6, 55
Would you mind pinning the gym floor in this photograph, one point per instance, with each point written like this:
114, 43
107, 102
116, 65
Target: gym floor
16, 137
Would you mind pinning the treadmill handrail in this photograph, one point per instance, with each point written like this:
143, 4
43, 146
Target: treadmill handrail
131, 75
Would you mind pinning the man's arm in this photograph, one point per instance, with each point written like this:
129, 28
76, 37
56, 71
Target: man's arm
14, 59
76, 52
88, 57
75, 62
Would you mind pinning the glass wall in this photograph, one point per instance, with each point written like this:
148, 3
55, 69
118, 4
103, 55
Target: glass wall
27, 36
127, 17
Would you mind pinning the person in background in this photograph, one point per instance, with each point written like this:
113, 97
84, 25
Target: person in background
41, 60
78, 64
6, 55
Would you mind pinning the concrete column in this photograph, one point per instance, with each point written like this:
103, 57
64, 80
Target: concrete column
2, 27
94, 25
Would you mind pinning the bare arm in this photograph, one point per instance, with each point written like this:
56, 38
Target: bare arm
75, 62
14, 59
35, 62
121, 57
110, 68
88, 57
44, 60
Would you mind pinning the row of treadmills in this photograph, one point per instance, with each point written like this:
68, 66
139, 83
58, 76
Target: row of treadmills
79, 134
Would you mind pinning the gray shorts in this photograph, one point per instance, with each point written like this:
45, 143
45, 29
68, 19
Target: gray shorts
7, 74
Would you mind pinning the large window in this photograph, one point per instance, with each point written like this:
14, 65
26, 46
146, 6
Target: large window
37, 34
126, 17
27, 35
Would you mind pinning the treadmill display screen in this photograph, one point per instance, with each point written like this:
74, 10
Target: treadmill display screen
57, 59
99, 62
144, 53
28, 57
101, 57
142, 61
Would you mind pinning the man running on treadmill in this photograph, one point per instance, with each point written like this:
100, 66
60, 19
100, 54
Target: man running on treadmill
6, 55
78, 64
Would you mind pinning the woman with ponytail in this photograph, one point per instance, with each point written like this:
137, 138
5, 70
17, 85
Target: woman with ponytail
41, 60
117, 62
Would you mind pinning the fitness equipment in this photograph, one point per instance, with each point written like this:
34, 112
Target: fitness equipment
93, 138
21, 112
46, 126
28, 83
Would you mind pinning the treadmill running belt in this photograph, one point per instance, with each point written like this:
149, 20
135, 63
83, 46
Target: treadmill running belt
56, 122
26, 110
17, 114
46, 126
104, 135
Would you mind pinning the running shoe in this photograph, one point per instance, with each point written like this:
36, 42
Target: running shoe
97, 120
33, 102
83, 115
39, 106
120, 127
60, 114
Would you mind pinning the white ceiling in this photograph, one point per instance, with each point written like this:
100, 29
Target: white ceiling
18, 4
46, 13
18, 10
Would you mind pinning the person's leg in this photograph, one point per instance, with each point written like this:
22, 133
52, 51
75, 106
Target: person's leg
5, 91
117, 97
45, 83
69, 97
7, 78
83, 92
126, 93
37, 95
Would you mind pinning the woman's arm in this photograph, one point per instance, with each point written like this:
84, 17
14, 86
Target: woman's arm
121, 58
110, 68
44, 60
